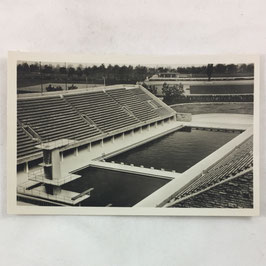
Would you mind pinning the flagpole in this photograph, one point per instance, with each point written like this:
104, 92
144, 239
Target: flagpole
41, 77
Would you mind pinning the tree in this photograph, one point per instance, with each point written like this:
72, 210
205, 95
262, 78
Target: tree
209, 71
71, 71
62, 70
172, 94
250, 68
220, 68
242, 68
231, 68
79, 71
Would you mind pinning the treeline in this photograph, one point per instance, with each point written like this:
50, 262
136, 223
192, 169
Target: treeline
36, 73
219, 69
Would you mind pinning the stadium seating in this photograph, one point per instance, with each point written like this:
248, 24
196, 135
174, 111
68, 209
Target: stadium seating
107, 114
237, 161
82, 115
52, 118
25, 144
131, 99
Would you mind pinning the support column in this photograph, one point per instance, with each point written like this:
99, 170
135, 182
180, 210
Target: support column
156, 124
132, 132
61, 156
113, 139
76, 152
102, 143
123, 135
26, 169
149, 127
89, 146
140, 129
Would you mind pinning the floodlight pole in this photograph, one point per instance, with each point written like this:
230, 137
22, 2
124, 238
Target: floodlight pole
66, 75
41, 77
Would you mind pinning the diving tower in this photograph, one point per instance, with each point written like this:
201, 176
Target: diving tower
49, 179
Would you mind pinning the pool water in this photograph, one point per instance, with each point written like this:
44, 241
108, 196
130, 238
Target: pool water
114, 187
176, 151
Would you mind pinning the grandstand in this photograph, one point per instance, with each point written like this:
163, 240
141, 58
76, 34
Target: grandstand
238, 162
83, 115
71, 130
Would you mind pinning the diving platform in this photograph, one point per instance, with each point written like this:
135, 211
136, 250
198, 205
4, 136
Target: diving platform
139, 170
51, 145
39, 176
65, 196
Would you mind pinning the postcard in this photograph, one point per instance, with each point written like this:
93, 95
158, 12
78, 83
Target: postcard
133, 135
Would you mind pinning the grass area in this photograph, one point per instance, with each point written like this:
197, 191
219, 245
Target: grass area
205, 108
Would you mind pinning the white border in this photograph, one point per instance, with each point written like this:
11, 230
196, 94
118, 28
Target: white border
13, 57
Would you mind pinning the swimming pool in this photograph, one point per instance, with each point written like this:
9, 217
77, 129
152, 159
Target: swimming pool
113, 187
176, 151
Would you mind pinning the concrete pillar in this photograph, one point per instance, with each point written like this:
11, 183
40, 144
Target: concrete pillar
132, 132
113, 139
140, 129
26, 169
102, 143
149, 127
163, 123
89, 147
156, 124
61, 156
123, 136
76, 151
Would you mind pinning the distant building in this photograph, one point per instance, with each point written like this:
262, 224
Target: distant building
169, 76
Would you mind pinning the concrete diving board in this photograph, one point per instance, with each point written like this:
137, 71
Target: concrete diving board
65, 196
86, 192
55, 144
56, 182
169, 175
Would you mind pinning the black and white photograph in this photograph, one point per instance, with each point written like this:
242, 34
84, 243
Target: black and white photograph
169, 136
132, 133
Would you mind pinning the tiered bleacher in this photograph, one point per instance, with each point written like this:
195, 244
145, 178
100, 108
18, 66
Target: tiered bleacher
147, 100
236, 193
52, 118
132, 101
236, 162
107, 114
82, 115
25, 144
